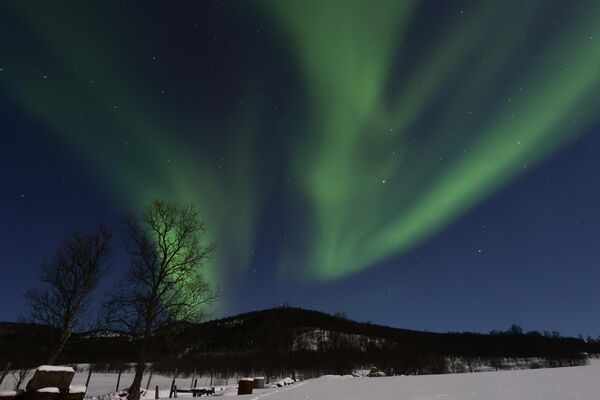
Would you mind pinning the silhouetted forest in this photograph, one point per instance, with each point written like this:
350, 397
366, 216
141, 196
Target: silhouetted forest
288, 341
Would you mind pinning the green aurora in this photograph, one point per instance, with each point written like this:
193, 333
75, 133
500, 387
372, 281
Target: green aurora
407, 126
374, 189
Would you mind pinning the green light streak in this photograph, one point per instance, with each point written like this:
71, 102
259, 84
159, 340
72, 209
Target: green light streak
373, 189
400, 139
136, 152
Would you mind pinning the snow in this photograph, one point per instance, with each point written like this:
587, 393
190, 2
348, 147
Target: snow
55, 368
568, 383
315, 339
77, 389
48, 390
105, 334
284, 382
105, 383
8, 393
571, 383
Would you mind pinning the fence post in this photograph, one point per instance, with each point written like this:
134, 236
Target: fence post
195, 383
156, 392
87, 381
175, 391
118, 381
172, 386
149, 379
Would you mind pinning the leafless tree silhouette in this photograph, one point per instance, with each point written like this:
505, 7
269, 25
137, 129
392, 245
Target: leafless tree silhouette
164, 283
69, 279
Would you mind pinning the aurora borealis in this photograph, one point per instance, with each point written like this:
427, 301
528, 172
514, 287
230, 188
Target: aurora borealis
325, 142
375, 194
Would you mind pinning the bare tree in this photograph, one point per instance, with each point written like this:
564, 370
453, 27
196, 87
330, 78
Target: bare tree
69, 279
164, 283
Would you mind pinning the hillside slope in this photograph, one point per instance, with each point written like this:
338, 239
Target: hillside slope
288, 338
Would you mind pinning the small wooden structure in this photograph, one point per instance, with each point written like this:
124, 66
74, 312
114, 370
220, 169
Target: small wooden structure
259, 382
245, 386
49, 383
49, 376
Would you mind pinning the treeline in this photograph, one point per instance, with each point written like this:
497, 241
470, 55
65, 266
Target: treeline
270, 343
288, 341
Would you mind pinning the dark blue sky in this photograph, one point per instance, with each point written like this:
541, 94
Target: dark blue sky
526, 254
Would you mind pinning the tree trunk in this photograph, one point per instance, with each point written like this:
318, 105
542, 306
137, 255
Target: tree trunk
134, 390
58, 347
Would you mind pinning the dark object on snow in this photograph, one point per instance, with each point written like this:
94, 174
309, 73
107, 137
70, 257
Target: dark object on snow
376, 372
47, 393
51, 377
197, 392
71, 396
53, 393
118, 381
245, 386
74, 393
259, 382
172, 388
125, 393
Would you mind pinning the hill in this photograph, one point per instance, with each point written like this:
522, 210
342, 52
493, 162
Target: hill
293, 339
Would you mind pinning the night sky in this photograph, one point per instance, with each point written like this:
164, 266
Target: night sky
428, 165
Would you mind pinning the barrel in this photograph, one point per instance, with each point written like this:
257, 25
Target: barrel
259, 382
245, 386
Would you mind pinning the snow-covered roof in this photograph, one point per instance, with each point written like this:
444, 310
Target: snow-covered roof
55, 368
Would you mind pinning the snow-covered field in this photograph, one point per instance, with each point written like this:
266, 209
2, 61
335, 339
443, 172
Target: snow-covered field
571, 383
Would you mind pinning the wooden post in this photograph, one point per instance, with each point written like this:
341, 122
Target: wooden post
195, 383
149, 379
192, 383
172, 386
87, 381
118, 381
175, 391
156, 392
